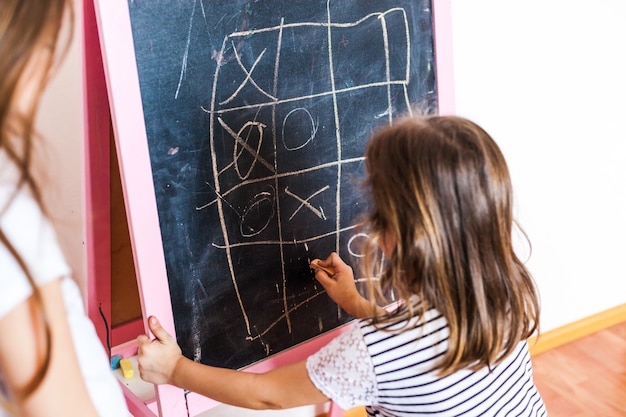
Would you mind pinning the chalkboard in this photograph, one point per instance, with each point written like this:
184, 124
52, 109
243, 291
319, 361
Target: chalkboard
256, 115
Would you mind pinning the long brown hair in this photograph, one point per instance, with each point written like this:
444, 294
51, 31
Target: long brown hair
27, 27
441, 188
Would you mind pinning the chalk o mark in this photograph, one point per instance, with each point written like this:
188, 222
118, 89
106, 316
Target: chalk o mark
237, 151
351, 242
255, 218
244, 144
314, 126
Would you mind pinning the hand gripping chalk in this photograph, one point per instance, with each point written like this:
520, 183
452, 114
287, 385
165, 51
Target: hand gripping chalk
315, 265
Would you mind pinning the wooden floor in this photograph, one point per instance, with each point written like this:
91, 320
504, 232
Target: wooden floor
585, 378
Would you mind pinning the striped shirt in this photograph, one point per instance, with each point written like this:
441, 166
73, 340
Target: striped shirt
391, 370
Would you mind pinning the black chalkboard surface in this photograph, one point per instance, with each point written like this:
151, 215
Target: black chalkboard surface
257, 114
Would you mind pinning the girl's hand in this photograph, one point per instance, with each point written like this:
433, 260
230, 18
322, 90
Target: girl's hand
157, 359
341, 286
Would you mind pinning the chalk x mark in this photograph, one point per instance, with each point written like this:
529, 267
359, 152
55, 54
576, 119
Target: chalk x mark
305, 203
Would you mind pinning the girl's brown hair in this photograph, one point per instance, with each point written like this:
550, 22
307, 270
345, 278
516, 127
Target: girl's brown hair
441, 189
27, 29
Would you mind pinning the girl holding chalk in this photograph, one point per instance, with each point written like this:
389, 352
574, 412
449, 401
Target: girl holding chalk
51, 360
455, 343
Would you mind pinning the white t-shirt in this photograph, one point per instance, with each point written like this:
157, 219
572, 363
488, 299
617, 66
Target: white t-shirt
393, 374
35, 240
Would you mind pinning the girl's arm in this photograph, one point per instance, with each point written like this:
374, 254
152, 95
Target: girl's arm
161, 362
342, 288
62, 392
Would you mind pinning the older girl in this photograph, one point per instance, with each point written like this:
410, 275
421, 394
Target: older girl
51, 361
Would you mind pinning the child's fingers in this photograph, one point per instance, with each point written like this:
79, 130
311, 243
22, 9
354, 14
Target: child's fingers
142, 340
323, 278
158, 331
316, 264
330, 261
335, 261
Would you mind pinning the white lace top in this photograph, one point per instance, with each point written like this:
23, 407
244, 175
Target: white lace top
391, 371
343, 370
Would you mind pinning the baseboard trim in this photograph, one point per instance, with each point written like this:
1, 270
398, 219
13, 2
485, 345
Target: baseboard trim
578, 329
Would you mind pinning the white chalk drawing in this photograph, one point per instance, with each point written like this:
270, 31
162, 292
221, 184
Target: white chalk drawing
246, 227
305, 203
298, 110
351, 247
248, 77
251, 139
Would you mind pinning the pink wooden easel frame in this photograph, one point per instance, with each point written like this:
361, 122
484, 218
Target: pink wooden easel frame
122, 84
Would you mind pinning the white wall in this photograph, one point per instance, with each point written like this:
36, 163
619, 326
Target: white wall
60, 120
546, 79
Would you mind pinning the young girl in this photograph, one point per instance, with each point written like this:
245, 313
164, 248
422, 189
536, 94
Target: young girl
455, 345
51, 361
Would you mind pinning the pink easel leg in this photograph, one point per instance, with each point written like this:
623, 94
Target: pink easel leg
335, 410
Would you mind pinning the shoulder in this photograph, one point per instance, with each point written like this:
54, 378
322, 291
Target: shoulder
420, 340
431, 324
33, 238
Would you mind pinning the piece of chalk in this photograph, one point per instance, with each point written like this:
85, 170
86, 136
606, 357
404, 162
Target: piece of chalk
115, 361
315, 265
127, 368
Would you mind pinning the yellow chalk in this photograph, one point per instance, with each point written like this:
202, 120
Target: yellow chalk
127, 368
